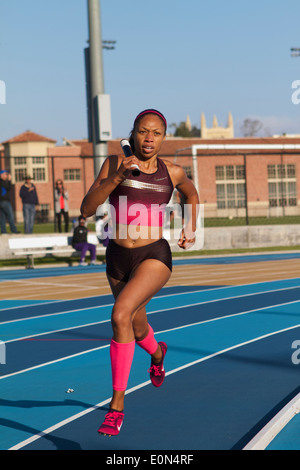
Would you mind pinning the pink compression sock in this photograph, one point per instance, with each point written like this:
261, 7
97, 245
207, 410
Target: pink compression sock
149, 344
121, 355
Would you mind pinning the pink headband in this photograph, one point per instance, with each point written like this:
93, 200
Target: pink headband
151, 111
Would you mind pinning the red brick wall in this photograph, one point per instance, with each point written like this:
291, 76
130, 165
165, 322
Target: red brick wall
67, 157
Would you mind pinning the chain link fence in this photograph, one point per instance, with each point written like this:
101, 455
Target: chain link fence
246, 189
236, 189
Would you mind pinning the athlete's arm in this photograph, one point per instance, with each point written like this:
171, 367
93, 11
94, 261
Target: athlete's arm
186, 187
113, 171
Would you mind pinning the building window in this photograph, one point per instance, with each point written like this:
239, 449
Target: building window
38, 160
39, 174
20, 161
220, 172
33, 166
72, 175
20, 168
38, 168
231, 186
282, 185
19, 174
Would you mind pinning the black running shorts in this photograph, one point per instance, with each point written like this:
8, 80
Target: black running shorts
121, 261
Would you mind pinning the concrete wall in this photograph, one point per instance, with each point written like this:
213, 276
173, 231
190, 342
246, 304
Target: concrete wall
256, 236
217, 238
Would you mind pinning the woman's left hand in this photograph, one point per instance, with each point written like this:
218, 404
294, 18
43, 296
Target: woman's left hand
187, 239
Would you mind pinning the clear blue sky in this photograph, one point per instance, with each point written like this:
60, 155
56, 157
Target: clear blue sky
182, 57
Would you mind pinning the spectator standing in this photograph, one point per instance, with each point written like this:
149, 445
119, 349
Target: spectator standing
6, 210
61, 197
29, 197
80, 242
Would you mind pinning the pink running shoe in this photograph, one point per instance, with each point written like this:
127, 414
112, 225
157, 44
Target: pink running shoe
157, 371
112, 423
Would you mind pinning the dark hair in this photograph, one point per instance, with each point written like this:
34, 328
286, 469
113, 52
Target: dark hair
139, 117
81, 218
56, 183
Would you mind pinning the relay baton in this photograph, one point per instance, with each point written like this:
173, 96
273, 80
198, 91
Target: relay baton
128, 152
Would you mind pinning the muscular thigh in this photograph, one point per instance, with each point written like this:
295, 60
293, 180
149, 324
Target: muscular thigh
146, 280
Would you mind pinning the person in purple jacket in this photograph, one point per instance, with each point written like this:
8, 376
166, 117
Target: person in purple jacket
80, 242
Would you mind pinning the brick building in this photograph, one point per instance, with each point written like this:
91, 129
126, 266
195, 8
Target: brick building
255, 177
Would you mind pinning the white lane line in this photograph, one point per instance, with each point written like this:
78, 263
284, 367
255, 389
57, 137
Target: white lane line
214, 288
268, 433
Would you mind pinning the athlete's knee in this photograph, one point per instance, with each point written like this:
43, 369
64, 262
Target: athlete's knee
121, 317
139, 335
140, 330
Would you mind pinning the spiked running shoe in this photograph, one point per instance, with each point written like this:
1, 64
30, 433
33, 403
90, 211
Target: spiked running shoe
157, 371
112, 423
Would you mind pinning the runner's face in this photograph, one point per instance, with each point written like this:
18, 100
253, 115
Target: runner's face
148, 136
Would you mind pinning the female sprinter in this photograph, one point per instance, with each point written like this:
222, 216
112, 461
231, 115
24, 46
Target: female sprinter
139, 261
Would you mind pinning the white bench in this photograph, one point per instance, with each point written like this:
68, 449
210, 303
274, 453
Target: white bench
41, 245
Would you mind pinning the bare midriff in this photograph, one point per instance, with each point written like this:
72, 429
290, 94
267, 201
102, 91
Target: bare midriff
134, 236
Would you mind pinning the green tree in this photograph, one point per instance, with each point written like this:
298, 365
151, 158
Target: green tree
182, 131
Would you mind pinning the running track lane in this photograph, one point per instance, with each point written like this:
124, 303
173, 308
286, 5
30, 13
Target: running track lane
44, 402
219, 404
61, 335
14, 274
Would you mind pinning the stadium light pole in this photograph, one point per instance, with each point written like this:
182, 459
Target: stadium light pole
99, 118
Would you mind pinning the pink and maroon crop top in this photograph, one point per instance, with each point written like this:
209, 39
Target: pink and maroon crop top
142, 200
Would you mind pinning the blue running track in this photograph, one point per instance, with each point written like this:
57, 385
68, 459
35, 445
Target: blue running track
229, 369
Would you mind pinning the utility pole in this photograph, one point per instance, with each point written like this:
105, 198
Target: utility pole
99, 115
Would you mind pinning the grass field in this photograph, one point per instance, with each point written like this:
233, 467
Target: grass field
208, 222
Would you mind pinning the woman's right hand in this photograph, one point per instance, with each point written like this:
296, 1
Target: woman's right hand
107, 180
127, 165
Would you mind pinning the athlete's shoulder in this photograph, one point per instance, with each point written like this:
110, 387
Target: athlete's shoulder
176, 171
114, 158
112, 163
